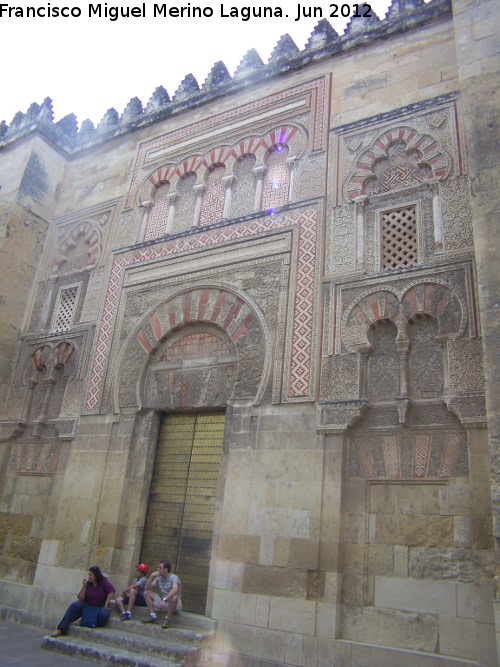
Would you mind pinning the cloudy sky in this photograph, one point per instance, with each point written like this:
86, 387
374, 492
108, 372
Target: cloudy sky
88, 64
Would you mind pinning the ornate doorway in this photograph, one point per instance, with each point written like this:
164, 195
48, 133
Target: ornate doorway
181, 509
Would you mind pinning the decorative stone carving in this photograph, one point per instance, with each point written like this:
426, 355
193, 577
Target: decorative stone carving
340, 378
396, 153
366, 310
277, 179
158, 213
417, 455
35, 458
421, 298
272, 146
383, 364
80, 250
337, 417
471, 410
223, 316
93, 296
466, 366
398, 158
310, 177
340, 251
194, 368
425, 360
456, 212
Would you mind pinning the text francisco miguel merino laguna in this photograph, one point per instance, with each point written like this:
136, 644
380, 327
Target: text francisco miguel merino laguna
113, 12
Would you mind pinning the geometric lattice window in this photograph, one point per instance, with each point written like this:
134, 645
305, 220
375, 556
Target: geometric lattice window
277, 179
399, 238
158, 215
212, 206
66, 309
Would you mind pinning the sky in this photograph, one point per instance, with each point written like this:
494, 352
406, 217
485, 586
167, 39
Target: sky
87, 65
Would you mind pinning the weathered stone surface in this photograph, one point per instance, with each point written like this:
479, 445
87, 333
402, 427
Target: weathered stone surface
239, 548
416, 595
285, 582
228, 250
440, 563
412, 531
414, 631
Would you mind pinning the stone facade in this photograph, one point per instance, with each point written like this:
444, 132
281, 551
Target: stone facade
308, 248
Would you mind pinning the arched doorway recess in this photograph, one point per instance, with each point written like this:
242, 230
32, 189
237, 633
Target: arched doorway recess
185, 361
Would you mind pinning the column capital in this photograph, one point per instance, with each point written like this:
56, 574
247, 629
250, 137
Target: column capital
228, 180
260, 170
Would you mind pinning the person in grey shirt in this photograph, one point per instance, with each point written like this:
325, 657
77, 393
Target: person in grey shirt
163, 592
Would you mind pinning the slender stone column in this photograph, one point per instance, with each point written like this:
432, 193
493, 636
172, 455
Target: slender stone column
146, 206
437, 217
49, 388
259, 173
403, 347
360, 204
47, 311
363, 375
172, 196
291, 163
199, 190
228, 182
28, 400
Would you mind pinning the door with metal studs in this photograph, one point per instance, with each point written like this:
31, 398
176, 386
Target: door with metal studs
181, 509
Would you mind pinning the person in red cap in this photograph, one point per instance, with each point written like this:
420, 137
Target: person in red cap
133, 594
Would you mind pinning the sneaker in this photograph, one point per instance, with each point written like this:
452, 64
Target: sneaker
166, 624
152, 619
126, 616
57, 633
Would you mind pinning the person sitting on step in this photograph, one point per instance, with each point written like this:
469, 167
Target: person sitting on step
163, 592
133, 594
96, 591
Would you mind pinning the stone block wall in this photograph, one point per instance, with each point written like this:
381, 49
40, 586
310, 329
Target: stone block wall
357, 485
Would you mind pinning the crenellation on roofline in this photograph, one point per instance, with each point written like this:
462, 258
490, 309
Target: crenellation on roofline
402, 15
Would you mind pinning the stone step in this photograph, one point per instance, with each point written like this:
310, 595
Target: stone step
185, 619
180, 632
135, 644
77, 647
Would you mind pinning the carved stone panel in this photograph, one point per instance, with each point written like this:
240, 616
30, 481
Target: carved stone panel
36, 458
383, 365
341, 239
466, 366
195, 368
340, 378
198, 348
425, 360
457, 215
310, 177
420, 455
432, 446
